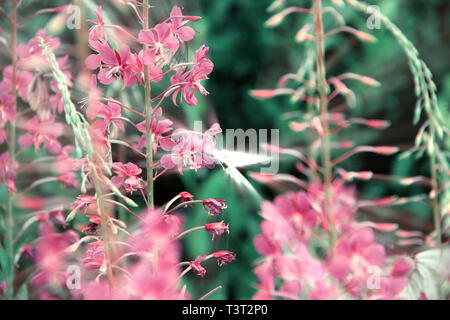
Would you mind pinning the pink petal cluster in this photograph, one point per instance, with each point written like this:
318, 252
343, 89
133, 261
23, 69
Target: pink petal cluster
42, 132
296, 220
191, 150
126, 175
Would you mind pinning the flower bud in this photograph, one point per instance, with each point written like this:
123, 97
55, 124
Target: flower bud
217, 228
224, 257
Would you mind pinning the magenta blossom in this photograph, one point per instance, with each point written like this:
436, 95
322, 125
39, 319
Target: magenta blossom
159, 39
44, 132
113, 65
189, 83
186, 197
353, 255
7, 176
94, 256
177, 25
23, 79
192, 150
214, 207
127, 176
97, 31
110, 115
217, 228
159, 128
30, 54
197, 267
224, 257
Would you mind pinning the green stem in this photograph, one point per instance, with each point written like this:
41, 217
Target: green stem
12, 157
323, 88
148, 119
419, 70
104, 224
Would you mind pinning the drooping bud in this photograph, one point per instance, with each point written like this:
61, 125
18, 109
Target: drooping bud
377, 124
303, 35
217, 228
386, 150
262, 94
214, 207
224, 257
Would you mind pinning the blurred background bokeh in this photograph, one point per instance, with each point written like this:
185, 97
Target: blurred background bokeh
247, 56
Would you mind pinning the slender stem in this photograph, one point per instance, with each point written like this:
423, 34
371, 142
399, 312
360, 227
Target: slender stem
210, 292
104, 224
188, 231
12, 158
182, 204
148, 119
434, 187
323, 88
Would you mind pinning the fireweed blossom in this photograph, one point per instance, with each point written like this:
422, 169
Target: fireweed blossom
41, 133
126, 175
118, 260
191, 150
291, 224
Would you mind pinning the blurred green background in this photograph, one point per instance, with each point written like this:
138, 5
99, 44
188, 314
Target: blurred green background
247, 56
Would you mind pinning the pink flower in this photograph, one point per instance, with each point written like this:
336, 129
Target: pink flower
214, 207
69, 180
94, 256
352, 255
7, 108
197, 268
186, 196
51, 255
23, 79
110, 114
155, 276
83, 201
97, 32
159, 38
7, 176
114, 65
191, 150
146, 58
189, 83
126, 176
30, 54
159, 128
224, 257
44, 132
177, 27
216, 228
344, 204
